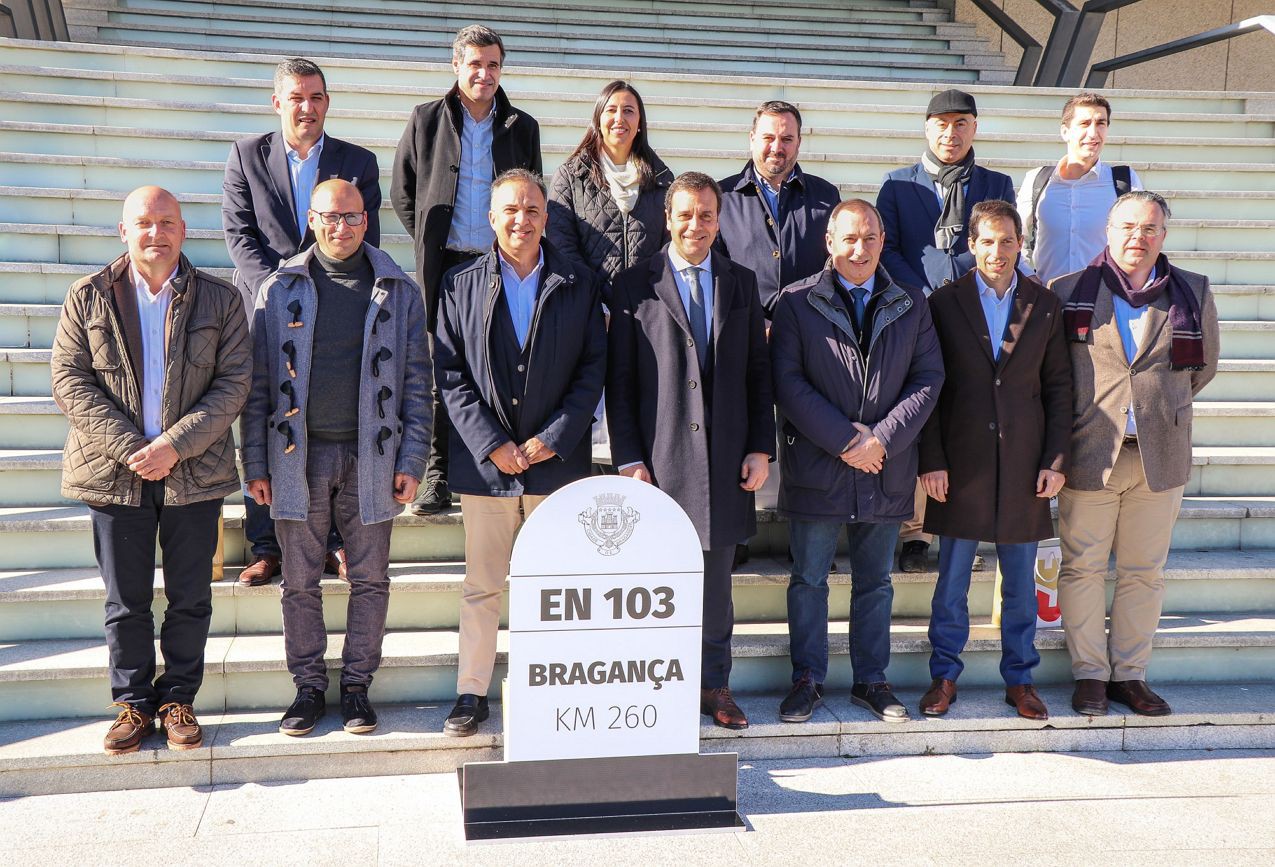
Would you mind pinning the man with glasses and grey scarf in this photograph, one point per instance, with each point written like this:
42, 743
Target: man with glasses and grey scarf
926, 209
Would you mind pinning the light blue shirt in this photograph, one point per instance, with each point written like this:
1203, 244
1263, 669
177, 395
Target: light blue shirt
1129, 320
520, 295
769, 193
304, 174
996, 310
684, 289
470, 229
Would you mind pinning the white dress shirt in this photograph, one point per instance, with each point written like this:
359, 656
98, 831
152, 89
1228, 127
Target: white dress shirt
996, 310
304, 174
1071, 218
152, 316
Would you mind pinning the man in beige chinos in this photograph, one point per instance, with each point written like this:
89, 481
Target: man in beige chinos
1143, 337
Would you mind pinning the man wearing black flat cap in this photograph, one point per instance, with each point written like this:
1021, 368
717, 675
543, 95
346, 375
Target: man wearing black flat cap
926, 210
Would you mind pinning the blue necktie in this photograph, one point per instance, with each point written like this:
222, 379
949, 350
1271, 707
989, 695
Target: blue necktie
699, 329
860, 306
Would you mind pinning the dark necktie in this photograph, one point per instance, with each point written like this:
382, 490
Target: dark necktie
699, 329
860, 296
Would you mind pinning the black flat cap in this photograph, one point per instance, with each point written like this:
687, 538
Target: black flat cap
951, 101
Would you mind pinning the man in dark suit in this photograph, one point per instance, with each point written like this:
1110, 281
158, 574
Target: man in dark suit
689, 402
995, 451
926, 209
264, 207
446, 160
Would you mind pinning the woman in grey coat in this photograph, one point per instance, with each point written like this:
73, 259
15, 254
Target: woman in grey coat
606, 202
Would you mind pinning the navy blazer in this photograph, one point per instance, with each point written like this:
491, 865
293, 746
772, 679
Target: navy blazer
657, 410
566, 368
258, 214
909, 206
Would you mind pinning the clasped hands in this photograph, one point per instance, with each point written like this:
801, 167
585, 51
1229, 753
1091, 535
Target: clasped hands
513, 459
865, 451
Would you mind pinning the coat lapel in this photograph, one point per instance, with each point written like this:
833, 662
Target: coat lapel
666, 291
1024, 300
1153, 322
274, 153
926, 192
723, 294
967, 299
1105, 332
977, 191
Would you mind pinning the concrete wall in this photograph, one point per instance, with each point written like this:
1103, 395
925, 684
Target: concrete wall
1246, 63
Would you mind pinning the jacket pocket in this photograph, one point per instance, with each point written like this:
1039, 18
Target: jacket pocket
103, 344
804, 464
202, 338
86, 467
215, 467
1184, 415
898, 476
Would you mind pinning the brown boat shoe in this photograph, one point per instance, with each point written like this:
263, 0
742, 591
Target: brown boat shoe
183, 730
126, 733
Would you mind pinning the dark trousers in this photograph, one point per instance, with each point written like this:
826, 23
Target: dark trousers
814, 543
124, 543
258, 527
332, 472
719, 617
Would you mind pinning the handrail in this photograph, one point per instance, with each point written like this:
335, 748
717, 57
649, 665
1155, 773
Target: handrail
34, 19
1099, 71
1031, 48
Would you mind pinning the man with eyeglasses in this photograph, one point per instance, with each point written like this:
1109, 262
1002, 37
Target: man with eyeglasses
265, 199
336, 428
1143, 337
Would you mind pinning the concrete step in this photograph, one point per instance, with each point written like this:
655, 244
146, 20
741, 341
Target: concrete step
67, 603
107, 60
65, 755
1241, 380
569, 98
68, 677
56, 536
620, 56
146, 129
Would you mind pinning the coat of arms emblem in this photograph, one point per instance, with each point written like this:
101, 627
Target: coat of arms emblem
610, 523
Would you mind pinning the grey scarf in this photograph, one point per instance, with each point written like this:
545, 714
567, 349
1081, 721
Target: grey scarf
951, 180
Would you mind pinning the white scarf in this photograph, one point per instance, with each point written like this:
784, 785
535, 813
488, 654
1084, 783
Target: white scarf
624, 182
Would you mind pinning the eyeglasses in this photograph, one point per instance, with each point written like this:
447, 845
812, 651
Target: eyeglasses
331, 218
1149, 231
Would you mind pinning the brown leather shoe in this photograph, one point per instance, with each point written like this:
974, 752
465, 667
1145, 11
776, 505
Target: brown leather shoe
720, 705
1026, 701
334, 564
260, 571
941, 696
1138, 697
126, 733
1090, 697
178, 720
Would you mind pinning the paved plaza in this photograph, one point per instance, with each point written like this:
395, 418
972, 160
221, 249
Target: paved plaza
1179, 807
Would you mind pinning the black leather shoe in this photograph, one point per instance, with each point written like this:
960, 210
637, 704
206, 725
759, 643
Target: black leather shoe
879, 698
914, 557
466, 714
300, 718
436, 498
799, 706
357, 714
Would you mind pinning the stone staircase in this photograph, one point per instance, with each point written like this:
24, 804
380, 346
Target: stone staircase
82, 124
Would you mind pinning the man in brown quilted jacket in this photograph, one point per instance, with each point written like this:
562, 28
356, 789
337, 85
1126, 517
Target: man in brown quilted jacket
151, 366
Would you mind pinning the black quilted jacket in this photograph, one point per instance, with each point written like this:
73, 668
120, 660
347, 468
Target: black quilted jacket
586, 226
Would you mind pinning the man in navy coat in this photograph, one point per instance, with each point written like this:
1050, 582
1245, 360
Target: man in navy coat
264, 207
926, 210
689, 402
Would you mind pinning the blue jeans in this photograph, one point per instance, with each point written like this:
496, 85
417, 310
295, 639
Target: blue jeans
813, 545
950, 612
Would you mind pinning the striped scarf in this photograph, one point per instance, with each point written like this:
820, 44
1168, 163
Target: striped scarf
1187, 349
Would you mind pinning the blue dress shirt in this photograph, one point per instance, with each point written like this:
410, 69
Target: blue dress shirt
520, 295
470, 229
1129, 324
996, 310
304, 174
684, 289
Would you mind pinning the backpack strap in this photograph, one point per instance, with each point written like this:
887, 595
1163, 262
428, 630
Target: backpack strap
1039, 182
1122, 179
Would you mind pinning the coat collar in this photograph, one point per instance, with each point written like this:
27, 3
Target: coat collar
892, 301
1025, 297
747, 179
385, 270
505, 117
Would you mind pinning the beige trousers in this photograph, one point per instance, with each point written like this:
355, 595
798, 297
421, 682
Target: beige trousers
1139, 523
491, 523
910, 530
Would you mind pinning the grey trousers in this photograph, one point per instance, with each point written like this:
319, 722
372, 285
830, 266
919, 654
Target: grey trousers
332, 473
